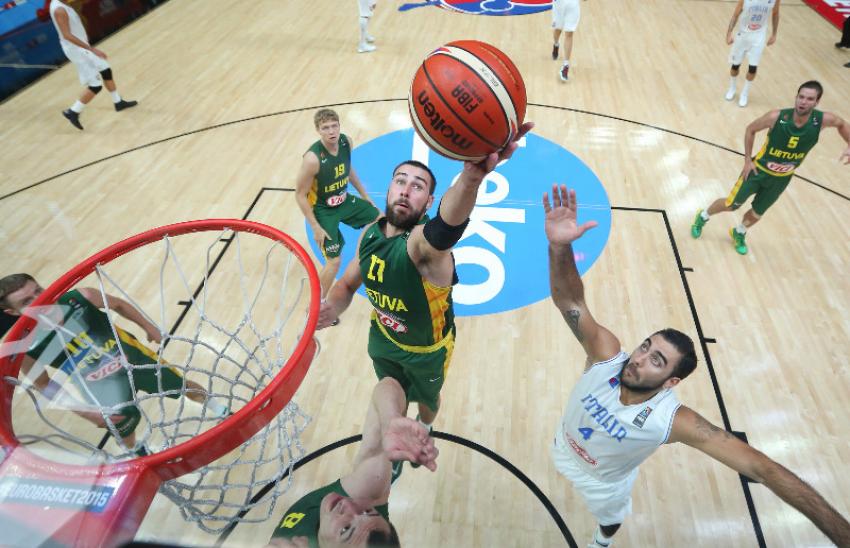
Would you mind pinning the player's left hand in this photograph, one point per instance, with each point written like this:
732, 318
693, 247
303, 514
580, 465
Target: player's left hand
845, 156
154, 335
771, 40
406, 439
479, 170
327, 315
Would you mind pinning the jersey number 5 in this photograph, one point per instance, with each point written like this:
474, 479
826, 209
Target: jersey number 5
792, 142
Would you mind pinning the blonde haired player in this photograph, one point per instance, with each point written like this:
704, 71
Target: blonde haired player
92, 67
749, 41
565, 16
367, 8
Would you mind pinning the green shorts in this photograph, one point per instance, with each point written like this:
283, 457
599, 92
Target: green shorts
354, 212
765, 186
421, 374
114, 390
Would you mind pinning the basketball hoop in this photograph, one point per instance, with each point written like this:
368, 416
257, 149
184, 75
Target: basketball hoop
254, 364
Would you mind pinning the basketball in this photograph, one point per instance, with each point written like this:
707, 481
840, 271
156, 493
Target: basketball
467, 100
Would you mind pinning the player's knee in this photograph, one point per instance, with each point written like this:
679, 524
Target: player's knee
751, 69
95, 89
732, 207
736, 68
106, 74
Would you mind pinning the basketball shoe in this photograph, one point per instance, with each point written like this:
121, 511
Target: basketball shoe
366, 48
699, 222
122, 104
73, 117
738, 239
564, 73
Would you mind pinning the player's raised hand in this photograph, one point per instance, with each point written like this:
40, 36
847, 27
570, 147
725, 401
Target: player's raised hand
406, 439
479, 170
562, 226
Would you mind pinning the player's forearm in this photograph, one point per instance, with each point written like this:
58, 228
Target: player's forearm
564, 280
306, 208
732, 23
129, 311
340, 296
388, 400
355, 182
76, 41
844, 131
804, 498
459, 200
749, 140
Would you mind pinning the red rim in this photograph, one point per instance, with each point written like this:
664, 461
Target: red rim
218, 440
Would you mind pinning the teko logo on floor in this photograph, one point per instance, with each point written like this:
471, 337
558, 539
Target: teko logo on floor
502, 259
484, 7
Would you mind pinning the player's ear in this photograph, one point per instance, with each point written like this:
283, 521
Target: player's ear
430, 202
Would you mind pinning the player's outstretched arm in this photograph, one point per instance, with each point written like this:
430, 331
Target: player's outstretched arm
692, 429
562, 229
387, 436
833, 120
340, 295
456, 205
735, 14
123, 308
774, 24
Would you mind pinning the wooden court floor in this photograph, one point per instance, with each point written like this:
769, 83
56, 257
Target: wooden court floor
226, 101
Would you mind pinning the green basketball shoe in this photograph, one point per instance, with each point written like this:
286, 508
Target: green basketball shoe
699, 222
738, 239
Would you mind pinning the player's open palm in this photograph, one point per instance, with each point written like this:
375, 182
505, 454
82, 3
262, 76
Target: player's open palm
562, 226
406, 439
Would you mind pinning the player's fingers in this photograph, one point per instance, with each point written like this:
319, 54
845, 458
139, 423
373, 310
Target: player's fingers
546, 207
587, 226
523, 129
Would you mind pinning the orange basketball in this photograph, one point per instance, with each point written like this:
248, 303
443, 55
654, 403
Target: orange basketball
467, 100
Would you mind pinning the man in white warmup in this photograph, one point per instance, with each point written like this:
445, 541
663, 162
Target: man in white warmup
367, 8
565, 16
623, 407
92, 67
749, 41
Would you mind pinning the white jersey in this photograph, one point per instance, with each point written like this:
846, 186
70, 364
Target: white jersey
74, 23
609, 439
755, 14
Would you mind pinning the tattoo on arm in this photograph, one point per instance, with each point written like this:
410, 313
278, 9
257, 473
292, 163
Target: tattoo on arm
706, 430
572, 317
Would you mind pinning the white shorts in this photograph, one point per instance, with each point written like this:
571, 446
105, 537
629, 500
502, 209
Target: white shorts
749, 44
89, 65
609, 503
367, 7
565, 14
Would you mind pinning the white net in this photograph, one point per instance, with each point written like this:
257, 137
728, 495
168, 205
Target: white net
221, 342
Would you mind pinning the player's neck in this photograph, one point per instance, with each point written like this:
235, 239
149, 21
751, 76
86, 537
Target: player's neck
800, 121
630, 397
333, 148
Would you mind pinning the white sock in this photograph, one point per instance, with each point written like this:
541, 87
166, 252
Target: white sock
733, 82
218, 409
746, 87
364, 22
556, 45
704, 214
115, 97
600, 538
78, 107
425, 424
566, 62
741, 228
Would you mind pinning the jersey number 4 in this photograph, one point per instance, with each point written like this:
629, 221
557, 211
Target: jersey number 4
585, 432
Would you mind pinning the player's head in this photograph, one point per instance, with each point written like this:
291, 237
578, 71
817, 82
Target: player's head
410, 195
327, 124
345, 522
808, 96
661, 361
18, 291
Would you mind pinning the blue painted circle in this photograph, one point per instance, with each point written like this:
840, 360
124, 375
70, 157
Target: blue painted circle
502, 261
483, 7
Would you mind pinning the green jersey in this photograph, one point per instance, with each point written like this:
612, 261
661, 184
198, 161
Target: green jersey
409, 310
787, 145
331, 182
302, 518
85, 342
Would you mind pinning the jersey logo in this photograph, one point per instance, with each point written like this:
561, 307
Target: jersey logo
642, 416
291, 520
498, 270
613, 382
336, 200
391, 322
484, 7
108, 369
580, 451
